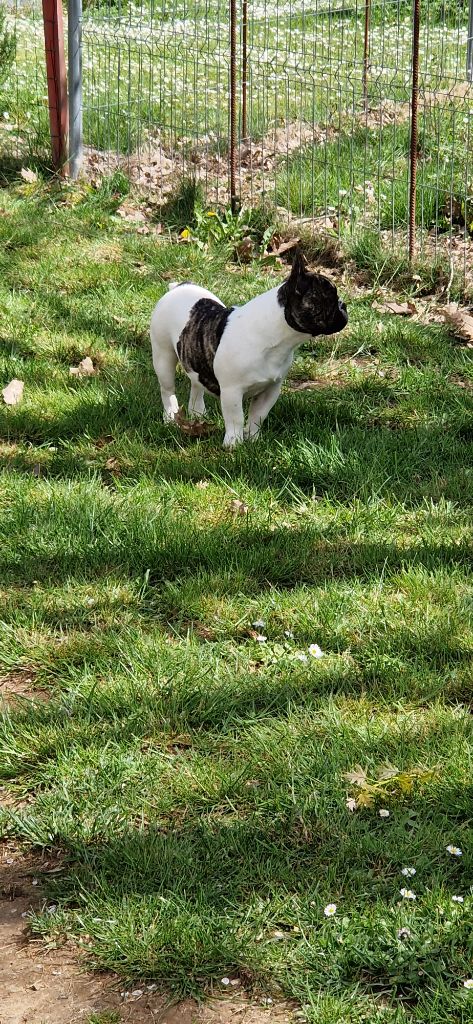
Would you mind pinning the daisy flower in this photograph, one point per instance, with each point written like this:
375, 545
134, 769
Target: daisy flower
330, 910
259, 624
407, 894
383, 812
457, 899
315, 651
454, 850
408, 872
468, 983
260, 639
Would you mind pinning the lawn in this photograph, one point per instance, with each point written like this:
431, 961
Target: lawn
193, 777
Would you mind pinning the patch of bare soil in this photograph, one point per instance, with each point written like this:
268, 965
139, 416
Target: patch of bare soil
21, 682
48, 986
155, 167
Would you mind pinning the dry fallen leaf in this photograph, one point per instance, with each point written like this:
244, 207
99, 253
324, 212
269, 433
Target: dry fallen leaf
399, 308
278, 247
112, 465
308, 385
127, 212
238, 508
84, 369
194, 428
461, 321
389, 772
28, 175
356, 777
13, 393
202, 485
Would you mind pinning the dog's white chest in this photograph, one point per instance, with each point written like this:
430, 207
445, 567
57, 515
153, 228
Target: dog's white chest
269, 368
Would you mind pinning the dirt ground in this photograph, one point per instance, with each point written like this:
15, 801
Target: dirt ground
47, 986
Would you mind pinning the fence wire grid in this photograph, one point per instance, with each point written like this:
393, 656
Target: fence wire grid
323, 106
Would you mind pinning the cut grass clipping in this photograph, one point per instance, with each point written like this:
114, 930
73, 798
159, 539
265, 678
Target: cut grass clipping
246, 720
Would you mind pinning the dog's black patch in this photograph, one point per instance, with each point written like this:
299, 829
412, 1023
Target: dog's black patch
200, 339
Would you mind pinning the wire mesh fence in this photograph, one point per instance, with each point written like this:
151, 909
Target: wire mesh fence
323, 111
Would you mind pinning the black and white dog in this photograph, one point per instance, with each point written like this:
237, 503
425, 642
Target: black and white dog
242, 350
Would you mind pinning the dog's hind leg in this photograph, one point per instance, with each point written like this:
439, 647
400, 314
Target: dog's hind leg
165, 362
196, 397
260, 407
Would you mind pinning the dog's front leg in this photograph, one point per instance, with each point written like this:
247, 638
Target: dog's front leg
260, 407
231, 400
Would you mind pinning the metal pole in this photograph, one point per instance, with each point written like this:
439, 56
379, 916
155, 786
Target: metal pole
469, 67
244, 69
74, 26
366, 54
414, 130
57, 81
233, 20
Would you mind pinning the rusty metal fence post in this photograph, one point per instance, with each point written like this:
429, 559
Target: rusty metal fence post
366, 52
414, 130
233, 105
244, 69
57, 81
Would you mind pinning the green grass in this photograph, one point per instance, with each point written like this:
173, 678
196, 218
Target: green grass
337, 175
193, 778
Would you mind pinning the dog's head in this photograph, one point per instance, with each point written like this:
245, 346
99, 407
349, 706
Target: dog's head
310, 301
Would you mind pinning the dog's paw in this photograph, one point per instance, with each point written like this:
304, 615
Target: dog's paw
231, 441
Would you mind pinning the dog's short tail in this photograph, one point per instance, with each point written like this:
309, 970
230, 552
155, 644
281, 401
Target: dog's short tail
177, 284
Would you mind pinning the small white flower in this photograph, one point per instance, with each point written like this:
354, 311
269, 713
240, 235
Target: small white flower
454, 850
35, 881
330, 910
6, 115
408, 872
225, 981
259, 624
302, 657
52, 909
404, 933
260, 639
407, 894
457, 899
383, 812
289, 634
468, 983
315, 651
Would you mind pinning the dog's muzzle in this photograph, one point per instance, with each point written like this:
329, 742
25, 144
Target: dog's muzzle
340, 320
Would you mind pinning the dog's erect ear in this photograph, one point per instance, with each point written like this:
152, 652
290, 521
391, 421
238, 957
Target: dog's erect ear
299, 265
298, 273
